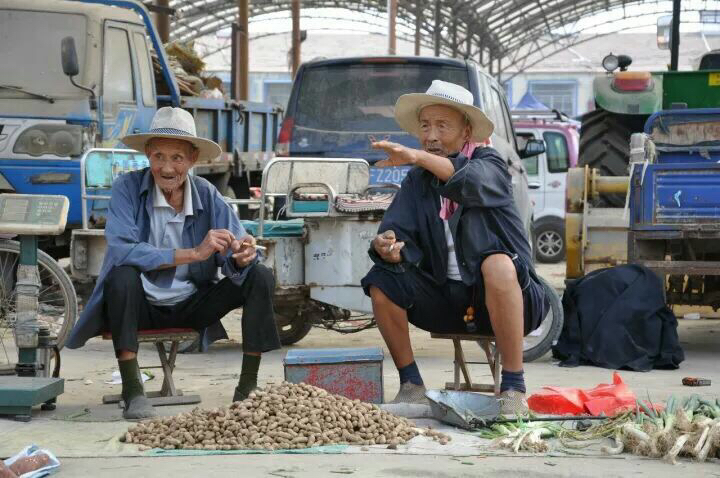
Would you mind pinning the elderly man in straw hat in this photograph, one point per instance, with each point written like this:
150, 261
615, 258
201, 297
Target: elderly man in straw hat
451, 250
168, 233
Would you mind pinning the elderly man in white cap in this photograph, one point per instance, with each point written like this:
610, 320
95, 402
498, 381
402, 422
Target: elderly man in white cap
452, 254
168, 233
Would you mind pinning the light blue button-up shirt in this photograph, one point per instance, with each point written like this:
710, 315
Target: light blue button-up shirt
166, 226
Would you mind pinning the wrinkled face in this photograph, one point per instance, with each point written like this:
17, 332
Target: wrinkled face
443, 130
170, 161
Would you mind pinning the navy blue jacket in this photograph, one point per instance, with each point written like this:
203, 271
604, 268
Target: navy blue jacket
485, 222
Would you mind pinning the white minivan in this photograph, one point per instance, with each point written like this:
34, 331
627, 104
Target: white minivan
546, 175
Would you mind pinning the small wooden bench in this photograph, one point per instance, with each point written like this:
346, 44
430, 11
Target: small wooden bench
168, 394
461, 365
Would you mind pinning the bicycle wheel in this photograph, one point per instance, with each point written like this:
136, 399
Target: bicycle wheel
57, 303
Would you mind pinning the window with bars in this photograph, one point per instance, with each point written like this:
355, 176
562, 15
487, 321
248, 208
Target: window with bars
558, 95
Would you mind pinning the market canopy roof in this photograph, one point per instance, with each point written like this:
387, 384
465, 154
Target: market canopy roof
500, 34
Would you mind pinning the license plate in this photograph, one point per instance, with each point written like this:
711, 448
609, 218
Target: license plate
391, 175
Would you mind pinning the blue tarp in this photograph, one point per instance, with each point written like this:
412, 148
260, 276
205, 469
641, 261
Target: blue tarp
529, 102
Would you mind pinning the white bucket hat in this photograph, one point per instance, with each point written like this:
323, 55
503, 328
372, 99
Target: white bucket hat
408, 107
174, 123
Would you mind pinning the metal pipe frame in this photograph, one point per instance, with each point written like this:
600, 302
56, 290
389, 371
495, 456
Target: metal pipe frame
518, 33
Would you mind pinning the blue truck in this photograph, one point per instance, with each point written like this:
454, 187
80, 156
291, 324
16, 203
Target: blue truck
675, 203
48, 119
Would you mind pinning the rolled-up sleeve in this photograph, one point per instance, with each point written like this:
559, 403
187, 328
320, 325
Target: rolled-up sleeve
483, 181
123, 235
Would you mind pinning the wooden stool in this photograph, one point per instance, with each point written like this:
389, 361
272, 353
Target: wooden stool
461, 365
168, 394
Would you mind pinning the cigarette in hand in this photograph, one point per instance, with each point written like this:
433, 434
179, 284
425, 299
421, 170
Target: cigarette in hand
256, 246
392, 246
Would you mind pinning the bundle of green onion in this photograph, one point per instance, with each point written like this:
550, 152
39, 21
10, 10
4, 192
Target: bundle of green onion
687, 427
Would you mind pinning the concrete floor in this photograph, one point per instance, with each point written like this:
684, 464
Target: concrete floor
214, 374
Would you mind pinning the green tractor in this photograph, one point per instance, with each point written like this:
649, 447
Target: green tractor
625, 99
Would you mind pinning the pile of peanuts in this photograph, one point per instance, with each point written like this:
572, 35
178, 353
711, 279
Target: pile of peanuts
285, 416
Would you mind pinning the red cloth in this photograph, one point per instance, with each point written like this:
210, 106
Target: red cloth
607, 399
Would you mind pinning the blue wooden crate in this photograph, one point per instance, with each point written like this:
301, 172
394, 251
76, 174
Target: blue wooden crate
355, 373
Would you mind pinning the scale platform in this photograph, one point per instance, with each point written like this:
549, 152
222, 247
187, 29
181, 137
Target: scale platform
19, 394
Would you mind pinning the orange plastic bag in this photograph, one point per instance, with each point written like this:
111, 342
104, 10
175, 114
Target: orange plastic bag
605, 399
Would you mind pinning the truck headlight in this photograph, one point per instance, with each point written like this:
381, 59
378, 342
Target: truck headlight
57, 139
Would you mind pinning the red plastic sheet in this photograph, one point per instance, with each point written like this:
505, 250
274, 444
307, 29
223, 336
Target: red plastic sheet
605, 399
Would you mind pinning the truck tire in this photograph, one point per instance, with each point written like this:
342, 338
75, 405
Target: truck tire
536, 346
605, 145
291, 325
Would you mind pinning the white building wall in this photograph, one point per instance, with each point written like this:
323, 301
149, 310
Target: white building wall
583, 81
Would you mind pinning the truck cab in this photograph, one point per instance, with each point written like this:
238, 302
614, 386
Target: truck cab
49, 119
46, 121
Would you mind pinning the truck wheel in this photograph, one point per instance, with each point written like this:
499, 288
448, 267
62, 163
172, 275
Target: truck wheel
605, 145
292, 325
538, 342
549, 240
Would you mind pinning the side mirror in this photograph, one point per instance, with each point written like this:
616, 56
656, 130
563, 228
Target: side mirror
68, 56
664, 32
533, 147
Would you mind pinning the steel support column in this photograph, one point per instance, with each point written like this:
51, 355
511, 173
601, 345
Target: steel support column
675, 36
296, 39
453, 27
418, 25
162, 21
392, 25
240, 53
438, 24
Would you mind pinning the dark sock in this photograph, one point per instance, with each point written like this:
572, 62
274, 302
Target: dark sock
132, 385
248, 377
513, 381
410, 373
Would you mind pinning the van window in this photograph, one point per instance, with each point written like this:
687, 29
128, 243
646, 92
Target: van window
361, 98
556, 151
496, 115
118, 86
146, 77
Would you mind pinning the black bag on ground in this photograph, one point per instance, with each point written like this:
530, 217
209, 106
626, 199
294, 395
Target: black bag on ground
617, 318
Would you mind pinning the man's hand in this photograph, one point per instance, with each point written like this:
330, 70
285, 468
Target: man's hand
398, 155
244, 251
216, 240
387, 247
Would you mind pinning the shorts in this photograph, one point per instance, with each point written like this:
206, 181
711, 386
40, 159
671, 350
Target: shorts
441, 308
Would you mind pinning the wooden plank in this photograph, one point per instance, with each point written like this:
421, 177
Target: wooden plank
116, 397
477, 387
166, 401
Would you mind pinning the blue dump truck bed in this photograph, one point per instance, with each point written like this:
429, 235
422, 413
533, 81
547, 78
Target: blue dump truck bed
678, 188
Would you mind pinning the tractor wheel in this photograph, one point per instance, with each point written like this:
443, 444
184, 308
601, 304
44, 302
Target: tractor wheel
605, 145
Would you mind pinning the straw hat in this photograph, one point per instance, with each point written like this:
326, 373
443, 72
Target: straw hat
174, 123
408, 107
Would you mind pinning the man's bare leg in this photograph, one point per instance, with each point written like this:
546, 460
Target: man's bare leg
393, 324
504, 301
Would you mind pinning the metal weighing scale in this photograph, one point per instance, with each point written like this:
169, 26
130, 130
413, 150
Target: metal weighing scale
29, 216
